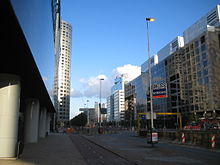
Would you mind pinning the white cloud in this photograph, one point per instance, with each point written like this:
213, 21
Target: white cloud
92, 86
128, 70
75, 93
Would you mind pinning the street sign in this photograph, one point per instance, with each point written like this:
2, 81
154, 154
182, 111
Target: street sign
152, 137
159, 90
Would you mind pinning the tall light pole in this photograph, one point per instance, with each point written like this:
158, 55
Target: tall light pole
88, 112
100, 104
149, 68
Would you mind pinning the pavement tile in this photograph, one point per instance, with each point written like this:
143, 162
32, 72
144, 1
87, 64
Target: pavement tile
56, 149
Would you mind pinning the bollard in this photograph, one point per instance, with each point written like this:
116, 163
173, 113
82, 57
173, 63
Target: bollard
213, 141
183, 138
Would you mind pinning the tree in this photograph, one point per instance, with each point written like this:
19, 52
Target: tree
79, 120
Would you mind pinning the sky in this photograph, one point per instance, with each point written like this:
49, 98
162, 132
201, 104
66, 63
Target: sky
109, 38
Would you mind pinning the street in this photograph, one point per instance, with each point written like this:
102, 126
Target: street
127, 148
95, 154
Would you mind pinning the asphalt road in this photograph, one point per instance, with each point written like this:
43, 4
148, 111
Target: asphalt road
95, 154
127, 148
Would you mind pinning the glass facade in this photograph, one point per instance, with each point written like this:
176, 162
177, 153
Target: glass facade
193, 76
141, 85
37, 23
159, 77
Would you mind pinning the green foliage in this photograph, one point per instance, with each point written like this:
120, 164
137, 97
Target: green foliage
79, 120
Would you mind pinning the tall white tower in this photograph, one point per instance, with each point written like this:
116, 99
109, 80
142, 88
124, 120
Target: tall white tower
63, 81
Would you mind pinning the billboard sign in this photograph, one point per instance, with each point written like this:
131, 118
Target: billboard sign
159, 90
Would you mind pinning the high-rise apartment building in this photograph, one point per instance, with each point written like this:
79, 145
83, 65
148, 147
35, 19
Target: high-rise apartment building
62, 88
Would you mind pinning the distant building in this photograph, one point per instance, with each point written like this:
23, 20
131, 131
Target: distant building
115, 102
91, 115
110, 108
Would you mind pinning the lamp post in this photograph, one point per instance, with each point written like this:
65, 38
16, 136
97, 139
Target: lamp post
149, 67
100, 104
87, 112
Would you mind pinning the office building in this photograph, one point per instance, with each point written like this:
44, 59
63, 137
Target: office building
193, 75
170, 48
205, 23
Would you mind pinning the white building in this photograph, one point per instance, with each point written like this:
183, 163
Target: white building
63, 80
119, 105
116, 101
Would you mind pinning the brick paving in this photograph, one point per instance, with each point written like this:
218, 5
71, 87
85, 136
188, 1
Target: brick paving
56, 149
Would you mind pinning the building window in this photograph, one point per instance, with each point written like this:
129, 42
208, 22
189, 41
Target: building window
206, 80
202, 39
196, 43
203, 48
205, 63
205, 72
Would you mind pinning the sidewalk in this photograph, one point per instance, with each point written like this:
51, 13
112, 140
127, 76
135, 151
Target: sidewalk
56, 149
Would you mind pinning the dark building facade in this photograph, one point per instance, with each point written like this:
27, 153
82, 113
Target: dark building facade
193, 77
25, 104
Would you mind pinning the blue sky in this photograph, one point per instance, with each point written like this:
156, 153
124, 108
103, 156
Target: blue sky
109, 34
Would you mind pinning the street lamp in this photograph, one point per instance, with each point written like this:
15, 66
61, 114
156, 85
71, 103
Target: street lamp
149, 67
100, 104
87, 112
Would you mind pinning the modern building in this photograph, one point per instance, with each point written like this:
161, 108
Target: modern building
119, 108
91, 116
188, 69
160, 95
25, 104
115, 102
194, 76
62, 87
205, 23
130, 103
193, 70
110, 108
145, 65
170, 48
